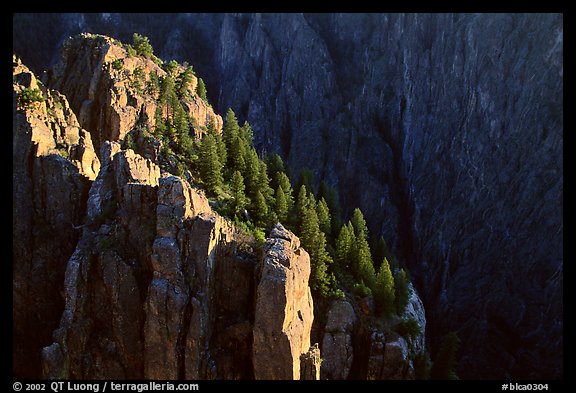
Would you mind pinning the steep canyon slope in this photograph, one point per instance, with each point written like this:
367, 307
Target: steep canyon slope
446, 129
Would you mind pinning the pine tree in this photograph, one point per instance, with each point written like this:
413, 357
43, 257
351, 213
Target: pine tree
236, 155
153, 84
237, 189
184, 140
380, 251
333, 201
201, 90
220, 146
142, 45
171, 67
281, 206
384, 291
303, 202
168, 97
444, 366
264, 184
344, 247
159, 126
184, 81
252, 172
247, 134
259, 209
275, 165
230, 131
306, 178
314, 241
402, 291
359, 224
283, 181
324, 217
362, 262
209, 165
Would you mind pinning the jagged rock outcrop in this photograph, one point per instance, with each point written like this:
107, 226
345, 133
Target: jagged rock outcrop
53, 163
161, 287
460, 174
284, 308
415, 310
110, 90
310, 364
357, 344
337, 347
100, 329
154, 283
388, 358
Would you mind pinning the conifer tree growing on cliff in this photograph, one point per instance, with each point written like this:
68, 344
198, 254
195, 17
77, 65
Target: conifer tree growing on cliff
275, 165
362, 262
220, 146
314, 241
283, 181
324, 218
209, 165
252, 172
264, 184
303, 202
247, 134
201, 90
380, 251
184, 81
344, 247
384, 290
142, 45
238, 197
259, 209
230, 131
359, 224
281, 206
333, 201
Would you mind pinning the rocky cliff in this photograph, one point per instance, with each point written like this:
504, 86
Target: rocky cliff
53, 163
159, 287
124, 271
110, 90
121, 271
445, 128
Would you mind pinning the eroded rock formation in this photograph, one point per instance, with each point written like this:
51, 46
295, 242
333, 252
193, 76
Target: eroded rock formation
284, 308
131, 274
110, 90
53, 163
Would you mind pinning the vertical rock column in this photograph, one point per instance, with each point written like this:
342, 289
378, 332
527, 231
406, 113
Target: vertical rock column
284, 310
168, 292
